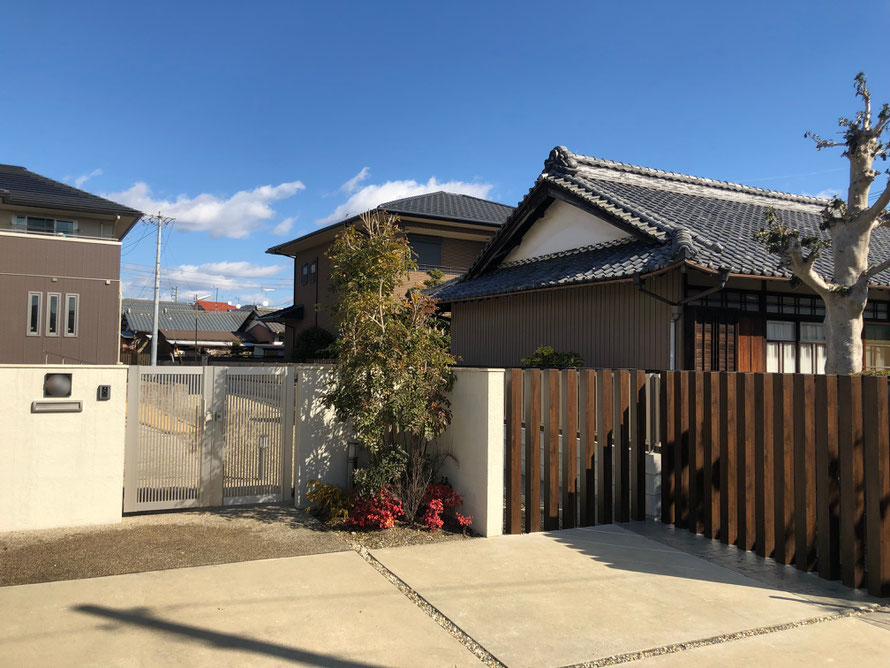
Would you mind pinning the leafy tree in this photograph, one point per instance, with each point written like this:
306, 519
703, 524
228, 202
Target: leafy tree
849, 225
435, 278
393, 366
313, 344
546, 357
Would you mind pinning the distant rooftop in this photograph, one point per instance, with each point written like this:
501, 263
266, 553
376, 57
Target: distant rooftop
452, 206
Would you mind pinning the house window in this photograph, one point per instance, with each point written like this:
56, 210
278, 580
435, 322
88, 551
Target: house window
427, 250
34, 299
53, 307
44, 225
876, 346
313, 271
72, 314
304, 278
791, 351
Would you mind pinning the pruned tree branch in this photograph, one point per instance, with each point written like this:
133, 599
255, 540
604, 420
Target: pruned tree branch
874, 212
877, 269
820, 142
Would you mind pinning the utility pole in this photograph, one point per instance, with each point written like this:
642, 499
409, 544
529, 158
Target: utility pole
176, 293
160, 221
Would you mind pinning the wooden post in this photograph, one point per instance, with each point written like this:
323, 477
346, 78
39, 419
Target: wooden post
604, 450
877, 485
551, 463
622, 446
728, 474
638, 447
804, 473
570, 439
668, 447
588, 448
851, 479
827, 493
514, 451
533, 453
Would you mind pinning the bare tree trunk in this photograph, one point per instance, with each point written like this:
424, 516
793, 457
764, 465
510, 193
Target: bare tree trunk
843, 333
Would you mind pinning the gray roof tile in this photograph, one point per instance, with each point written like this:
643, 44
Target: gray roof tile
452, 206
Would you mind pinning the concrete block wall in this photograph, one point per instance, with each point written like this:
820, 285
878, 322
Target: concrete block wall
61, 469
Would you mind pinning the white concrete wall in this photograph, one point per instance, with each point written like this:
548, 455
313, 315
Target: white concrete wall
476, 440
61, 469
321, 443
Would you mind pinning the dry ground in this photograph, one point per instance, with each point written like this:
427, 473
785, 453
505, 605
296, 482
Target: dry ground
180, 539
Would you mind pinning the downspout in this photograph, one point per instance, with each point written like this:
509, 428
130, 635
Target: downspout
677, 307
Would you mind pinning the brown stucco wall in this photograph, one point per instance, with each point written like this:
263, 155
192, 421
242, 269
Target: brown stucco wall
611, 325
66, 266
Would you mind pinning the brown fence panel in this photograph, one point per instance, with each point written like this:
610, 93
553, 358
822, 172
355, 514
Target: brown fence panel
696, 451
827, 493
622, 447
851, 475
604, 451
570, 438
764, 535
746, 476
712, 460
668, 447
533, 452
728, 475
804, 473
514, 451
877, 485
681, 392
588, 448
638, 446
551, 449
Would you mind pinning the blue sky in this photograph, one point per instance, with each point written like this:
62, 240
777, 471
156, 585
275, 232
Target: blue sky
251, 123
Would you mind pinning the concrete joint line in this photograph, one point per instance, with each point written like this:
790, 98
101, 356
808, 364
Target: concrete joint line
432, 611
724, 638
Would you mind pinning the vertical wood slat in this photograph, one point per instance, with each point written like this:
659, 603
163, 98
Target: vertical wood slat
764, 535
638, 447
827, 493
668, 442
588, 447
604, 449
514, 451
804, 473
694, 444
877, 485
622, 446
784, 469
681, 457
551, 450
533, 453
851, 473
570, 439
728, 481
712, 463
746, 475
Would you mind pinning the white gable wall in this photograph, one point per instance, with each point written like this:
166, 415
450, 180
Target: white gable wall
564, 227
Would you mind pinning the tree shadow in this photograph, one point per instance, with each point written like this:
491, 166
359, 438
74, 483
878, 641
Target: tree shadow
142, 617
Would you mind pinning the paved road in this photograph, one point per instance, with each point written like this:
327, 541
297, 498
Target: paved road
535, 600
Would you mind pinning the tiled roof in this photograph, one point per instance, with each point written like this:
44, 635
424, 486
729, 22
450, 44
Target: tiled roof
284, 314
705, 222
180, 319
25, 188
220, 307
452, 206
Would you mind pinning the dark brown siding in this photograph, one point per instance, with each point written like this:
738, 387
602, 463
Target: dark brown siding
608, 325
31, 263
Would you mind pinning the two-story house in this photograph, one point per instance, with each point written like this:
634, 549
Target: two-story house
60, 287
446, 231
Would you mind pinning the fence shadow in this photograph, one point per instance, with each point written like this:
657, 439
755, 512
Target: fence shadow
142, 617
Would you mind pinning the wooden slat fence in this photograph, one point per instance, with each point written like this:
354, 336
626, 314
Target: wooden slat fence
575, 445
796, 467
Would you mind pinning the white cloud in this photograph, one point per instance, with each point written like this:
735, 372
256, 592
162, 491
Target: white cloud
244, 280
828, 193
234, 217
83, 178
352, 184
371, 195
284, 226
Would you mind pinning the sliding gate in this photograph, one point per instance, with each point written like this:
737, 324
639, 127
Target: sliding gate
208, 436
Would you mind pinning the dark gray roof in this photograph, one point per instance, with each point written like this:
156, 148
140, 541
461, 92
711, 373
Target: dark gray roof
147, 304
22, 187
671, 217
139, 320
452, 206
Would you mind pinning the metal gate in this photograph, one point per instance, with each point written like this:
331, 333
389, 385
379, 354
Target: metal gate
208, 436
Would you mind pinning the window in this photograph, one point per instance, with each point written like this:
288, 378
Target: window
313, 271
72, 315
53, 307
427, 250
44, 225
793, 350
34, 299
304, 278
876, 346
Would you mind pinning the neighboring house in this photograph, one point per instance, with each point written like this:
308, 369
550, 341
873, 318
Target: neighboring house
446, 231
184, 330
59, 271
636, 267
219, 307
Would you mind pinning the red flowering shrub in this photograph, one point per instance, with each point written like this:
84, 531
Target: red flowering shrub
432, 515
377, 512
438, 499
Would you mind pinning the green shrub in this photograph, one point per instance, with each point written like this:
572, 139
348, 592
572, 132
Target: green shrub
313, 344
875, 372
330, 502
545, 357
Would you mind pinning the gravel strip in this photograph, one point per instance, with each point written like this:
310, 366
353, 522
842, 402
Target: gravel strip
432, 611
726, 637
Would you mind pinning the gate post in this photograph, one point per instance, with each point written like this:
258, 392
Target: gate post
131, 439
288, 426
213, 437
